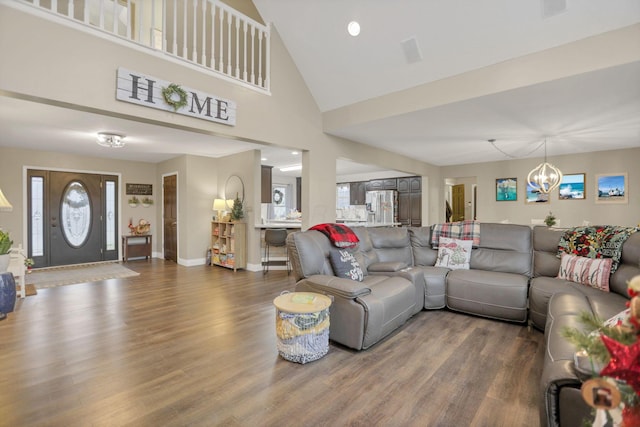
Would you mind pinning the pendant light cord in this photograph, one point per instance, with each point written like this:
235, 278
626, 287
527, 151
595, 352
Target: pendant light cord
493, 143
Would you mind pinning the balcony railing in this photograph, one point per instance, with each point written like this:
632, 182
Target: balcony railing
203, 32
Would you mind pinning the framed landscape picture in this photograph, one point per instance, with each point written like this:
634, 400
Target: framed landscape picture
506, 189
572, 187
611, 188
535, 196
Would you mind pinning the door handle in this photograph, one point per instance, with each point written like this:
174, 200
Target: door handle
174, 223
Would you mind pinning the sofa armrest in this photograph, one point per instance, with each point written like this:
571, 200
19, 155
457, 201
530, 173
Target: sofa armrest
337, 286
386, 267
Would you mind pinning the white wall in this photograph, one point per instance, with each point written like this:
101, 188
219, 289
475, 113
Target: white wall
569, 212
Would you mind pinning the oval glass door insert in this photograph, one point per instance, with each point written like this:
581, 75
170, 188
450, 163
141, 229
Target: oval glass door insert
75, 214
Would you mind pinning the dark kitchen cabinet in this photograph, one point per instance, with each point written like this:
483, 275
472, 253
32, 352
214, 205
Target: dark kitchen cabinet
265, 186
389, 184
410, 201
375, 185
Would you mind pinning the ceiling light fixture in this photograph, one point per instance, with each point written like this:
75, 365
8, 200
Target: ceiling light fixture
353, 28
291, 168
111, 140
5, 206
545, 177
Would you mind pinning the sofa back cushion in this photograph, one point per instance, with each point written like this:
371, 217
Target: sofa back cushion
545, 250
309, 253
546, 262
391, 244
423, 253
629, 265
504, 248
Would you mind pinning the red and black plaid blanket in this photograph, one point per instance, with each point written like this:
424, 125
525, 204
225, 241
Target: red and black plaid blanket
340, 235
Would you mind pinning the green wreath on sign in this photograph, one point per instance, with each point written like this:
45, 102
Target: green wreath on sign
168, 95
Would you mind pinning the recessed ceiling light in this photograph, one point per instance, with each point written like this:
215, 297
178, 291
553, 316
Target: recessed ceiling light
353, 28
295, 153
264, 159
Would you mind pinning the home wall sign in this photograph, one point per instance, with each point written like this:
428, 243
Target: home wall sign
153, 92
139, 189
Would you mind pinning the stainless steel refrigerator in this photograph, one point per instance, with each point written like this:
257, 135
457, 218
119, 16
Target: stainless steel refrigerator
382, 206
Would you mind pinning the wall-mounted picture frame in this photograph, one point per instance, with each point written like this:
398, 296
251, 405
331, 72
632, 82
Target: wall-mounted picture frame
506, 189
611, 188
573, 187
534, 196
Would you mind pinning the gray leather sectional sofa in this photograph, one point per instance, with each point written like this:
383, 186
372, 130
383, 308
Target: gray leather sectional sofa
555, 304
512, 277
401, 279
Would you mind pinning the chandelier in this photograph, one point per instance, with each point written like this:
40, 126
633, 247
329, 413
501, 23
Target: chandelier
111, 140
545, 177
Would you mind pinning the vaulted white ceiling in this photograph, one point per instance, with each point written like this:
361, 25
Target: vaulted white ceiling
350, 78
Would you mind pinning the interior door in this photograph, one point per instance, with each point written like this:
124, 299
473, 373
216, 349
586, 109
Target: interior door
170, 217
457, 196
72, 217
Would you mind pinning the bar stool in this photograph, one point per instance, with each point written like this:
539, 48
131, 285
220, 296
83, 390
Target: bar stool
276, 237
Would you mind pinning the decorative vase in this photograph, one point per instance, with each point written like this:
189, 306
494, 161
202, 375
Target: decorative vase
4, 262
7, 293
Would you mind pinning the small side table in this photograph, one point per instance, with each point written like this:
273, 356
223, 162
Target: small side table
134, 246
302, 326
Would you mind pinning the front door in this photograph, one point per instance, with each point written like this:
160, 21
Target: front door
170, 217
72, 217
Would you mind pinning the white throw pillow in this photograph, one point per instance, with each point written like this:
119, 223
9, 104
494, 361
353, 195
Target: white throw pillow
587, 271
454, 254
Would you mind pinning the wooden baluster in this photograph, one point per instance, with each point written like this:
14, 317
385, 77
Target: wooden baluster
129, 19
194, 40
260, 58
221, 62
267, 80
185, 54
175, 28
244, 50
203, 46
253, 54
101, 20
213, 37
139, 20
237, 47
70, 10
114, 24
229, 25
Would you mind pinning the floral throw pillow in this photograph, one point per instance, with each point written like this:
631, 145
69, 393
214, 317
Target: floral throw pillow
345, 265
454, 254
587, 271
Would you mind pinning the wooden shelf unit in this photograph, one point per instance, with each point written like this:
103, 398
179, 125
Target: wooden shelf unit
229, 244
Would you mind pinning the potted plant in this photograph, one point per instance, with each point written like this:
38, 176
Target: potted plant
29, 262
5, 248
134, 201
146, 202
550, 220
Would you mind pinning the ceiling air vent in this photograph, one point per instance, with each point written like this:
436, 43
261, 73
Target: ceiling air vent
411, 50
553, 7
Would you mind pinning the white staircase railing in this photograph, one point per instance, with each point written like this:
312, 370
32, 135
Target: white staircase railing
204, 32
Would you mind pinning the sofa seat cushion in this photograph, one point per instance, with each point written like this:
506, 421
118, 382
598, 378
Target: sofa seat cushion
434, 286
488, 293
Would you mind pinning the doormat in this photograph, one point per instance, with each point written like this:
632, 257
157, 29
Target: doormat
69, 275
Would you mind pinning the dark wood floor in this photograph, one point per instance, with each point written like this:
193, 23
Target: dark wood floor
196, 346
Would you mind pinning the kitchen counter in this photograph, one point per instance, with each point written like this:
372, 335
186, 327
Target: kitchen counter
293, 224
368, 224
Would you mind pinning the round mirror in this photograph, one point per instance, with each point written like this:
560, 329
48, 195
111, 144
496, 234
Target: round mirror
232, 189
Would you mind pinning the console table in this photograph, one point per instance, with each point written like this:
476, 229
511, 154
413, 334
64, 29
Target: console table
136, 246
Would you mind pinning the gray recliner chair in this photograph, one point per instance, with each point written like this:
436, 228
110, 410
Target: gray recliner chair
362, 313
